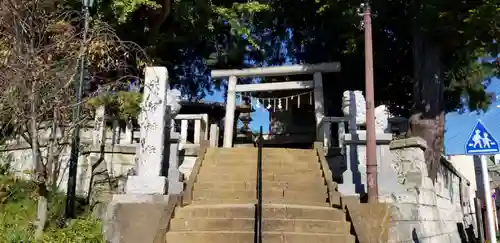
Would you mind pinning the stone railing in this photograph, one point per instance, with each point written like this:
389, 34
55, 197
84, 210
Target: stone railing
327, 131
200, 128
396, 125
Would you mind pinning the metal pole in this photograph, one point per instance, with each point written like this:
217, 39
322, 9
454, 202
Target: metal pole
75, 144
371, 145
479, 220
487, 200
258, 211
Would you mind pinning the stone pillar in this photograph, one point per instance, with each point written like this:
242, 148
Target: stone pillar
175, 185
319, 105
99, 126
214, 135
327, 134
197, 131
204, 126
129, 132
116, 131
152, 135
354, 177
230, 109
184, 131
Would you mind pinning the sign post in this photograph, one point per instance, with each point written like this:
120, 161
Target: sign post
493, 202
481, 143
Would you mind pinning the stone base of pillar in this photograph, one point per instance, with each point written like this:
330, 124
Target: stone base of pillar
354, 176
137, 218
146, 185
347, 189
175, 184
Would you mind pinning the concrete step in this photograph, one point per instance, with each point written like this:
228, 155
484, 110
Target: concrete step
274, 211
248, 237
312, 163
248, 224
313, 195
239, 185
264, 150
282, 167
222, 176
295, 201
253, 155
265, 156
242, 175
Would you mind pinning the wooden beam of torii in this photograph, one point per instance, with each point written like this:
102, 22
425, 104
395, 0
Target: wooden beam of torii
233, 87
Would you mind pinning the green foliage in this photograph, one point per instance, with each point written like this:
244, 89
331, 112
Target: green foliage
324, 30
123, 104
240, 17
18, 212
124, 8
83, 229
217, 32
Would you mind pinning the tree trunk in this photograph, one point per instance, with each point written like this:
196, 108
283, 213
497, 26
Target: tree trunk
160, 17
51, 157
40, 173
427, 120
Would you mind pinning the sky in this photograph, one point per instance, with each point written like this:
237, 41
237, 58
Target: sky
459, 126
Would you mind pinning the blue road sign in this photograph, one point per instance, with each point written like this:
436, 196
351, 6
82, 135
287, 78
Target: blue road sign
480, 141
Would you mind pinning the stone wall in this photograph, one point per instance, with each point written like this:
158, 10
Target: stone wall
118, 160
467, 167
423, 210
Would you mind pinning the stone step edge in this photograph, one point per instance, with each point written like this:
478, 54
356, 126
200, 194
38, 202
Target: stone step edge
267, 219
253, 182
266, 190
267, 205
251, 232
303, 176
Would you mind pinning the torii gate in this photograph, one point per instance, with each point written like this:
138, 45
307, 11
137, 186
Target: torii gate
316, 84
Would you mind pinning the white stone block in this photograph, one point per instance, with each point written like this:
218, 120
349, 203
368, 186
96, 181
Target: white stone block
146, 185
187, 166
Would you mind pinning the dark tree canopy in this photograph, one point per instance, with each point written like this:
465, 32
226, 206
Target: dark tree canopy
425, 52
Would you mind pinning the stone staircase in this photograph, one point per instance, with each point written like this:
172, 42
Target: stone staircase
297, 207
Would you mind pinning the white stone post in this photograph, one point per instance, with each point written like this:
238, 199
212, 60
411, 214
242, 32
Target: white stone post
184, 131
327, 135
341, 135
151, 152
230, 109
214, 135
116, 130
175, 185
204, 126
129, 132
319, 105
99, 126
217, 135
197, 131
